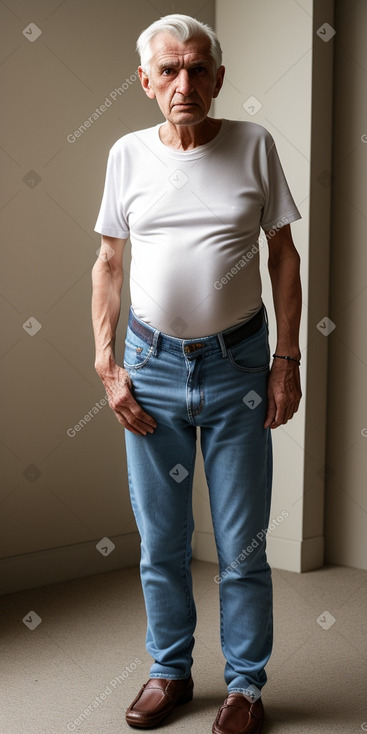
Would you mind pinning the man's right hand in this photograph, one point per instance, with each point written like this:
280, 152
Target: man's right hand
120, 398
108, 277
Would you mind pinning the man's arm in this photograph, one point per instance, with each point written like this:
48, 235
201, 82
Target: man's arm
284, 389
107, 279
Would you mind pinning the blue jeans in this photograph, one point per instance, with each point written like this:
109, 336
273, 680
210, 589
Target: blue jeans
184, 384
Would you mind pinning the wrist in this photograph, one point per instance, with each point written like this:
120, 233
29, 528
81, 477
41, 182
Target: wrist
288, 358
105, 365
291, 349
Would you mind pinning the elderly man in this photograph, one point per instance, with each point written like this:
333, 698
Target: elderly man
192, 193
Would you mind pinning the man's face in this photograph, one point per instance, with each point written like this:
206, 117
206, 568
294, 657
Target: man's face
182, 78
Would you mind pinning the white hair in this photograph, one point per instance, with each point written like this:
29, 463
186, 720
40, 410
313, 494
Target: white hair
183, 27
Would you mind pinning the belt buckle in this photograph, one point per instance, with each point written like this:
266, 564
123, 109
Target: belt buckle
189, 348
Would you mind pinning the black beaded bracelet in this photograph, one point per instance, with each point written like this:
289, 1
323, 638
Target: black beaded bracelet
281, 356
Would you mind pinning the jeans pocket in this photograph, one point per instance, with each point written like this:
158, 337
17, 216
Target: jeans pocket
137, 352
253, 354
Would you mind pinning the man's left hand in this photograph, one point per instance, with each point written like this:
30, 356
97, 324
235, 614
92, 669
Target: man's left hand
284, 393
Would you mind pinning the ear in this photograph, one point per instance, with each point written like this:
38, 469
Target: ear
145, 83
219, 81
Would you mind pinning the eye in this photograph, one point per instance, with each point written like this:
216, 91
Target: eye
167, 71
200, 69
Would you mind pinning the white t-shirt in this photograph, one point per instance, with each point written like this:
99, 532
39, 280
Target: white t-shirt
194, 221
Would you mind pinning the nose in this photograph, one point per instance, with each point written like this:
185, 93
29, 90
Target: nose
184, 83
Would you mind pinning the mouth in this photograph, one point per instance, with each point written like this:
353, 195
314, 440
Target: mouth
185, 104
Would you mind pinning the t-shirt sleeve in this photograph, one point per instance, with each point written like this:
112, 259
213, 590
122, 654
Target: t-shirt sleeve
279, 206
111, 220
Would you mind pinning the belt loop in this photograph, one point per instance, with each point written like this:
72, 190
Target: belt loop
222, 344
155, 342
130, 317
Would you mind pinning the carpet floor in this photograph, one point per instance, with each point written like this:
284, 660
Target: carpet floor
78, 668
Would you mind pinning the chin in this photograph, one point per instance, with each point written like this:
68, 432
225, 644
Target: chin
187, 118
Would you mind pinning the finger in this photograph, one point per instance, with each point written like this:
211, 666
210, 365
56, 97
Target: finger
280, 417
285, 414
293, 408
140, 425
271, 412
127, 401
141, 415
127, 406
274, 425
139, 420
132, 425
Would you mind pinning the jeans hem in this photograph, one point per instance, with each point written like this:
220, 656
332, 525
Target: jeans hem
245, 691
170, 677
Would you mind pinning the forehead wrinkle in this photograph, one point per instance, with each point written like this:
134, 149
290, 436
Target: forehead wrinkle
166, 47
175, 62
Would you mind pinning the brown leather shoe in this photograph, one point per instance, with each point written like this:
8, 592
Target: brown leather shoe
238, 715
156, 700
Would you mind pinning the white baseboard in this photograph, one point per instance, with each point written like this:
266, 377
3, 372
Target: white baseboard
66, 563
203, 547
83, 559
287, 555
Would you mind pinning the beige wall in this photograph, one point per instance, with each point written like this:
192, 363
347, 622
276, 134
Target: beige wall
272, 52
346, 497
60, 494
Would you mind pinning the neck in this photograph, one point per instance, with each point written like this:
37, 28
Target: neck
187, 137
